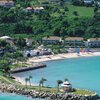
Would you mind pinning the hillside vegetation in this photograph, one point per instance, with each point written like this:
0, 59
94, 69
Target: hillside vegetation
56, 19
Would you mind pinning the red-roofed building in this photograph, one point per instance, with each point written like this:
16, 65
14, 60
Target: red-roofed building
29, 9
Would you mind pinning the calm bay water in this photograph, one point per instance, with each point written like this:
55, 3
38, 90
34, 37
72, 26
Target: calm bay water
82, 73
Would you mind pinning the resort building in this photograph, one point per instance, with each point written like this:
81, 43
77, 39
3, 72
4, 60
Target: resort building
66, 86
93, 42
41, 50
29, 9
6, 3
7, 39
38, 9
74, 41
88, 1
92, 1
51, 40
29, 41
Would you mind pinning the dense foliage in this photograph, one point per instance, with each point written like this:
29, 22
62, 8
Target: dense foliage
54, 20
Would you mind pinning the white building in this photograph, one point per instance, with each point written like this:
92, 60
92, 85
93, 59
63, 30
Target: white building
37, 52
66, 86
93, 42
6, 3
74, 41
88, 1
29, 41
38, 9
7, 39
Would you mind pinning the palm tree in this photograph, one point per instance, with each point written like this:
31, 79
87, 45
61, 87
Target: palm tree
58, 83
66, 79
30, 77
26, 80
41, 82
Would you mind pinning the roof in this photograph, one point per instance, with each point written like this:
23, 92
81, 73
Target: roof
94, 39
66, 84
38, 8
5, 37
74, 38
29, 8
52, 38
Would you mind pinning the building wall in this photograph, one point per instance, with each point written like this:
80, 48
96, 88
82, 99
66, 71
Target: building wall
51, 41
6, 3
94, 43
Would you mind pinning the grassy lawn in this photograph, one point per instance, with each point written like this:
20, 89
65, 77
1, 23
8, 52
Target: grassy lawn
54, 90
88, 11
82, 12
6, 80
83, 92
19, 65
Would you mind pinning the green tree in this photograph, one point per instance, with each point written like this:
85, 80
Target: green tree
58, 84
95, 9
3, 43
41, 83
30, 77
75, 13
5, 66
20, 42
66, 79
26, 81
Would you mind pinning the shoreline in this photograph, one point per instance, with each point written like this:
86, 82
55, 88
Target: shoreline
22, 81
62, 56
53, 58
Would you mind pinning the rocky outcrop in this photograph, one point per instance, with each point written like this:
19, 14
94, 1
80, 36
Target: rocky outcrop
45, 95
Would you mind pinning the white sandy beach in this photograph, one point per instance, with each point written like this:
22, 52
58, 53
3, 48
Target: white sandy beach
22, 81
61, 56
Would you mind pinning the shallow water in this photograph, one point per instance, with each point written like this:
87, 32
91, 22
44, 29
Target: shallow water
81, 72
8, 96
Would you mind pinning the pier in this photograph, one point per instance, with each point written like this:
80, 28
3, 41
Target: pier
33, 67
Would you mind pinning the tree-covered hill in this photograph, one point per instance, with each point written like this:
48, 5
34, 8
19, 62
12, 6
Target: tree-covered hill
56, 19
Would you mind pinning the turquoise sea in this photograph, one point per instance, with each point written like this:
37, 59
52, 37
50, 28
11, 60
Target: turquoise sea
8, 96
82, 73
